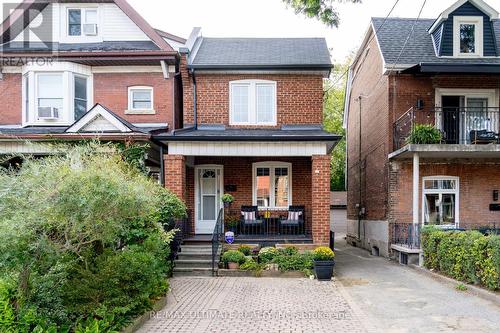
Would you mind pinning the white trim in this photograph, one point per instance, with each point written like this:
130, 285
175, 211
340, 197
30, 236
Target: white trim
481, 5
131, 109
416, 176
96, 111
127, 69
249, 149
477, 21
83, 7
491, 94
272, 165
196, 193
455, 191
252, 102
150, 124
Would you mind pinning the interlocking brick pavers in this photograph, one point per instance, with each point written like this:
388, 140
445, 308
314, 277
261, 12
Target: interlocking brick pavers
228, 304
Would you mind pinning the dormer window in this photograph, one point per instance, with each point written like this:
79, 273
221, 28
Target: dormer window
468, 36
82, 22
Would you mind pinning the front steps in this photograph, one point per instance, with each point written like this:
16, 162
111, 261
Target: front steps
195, 259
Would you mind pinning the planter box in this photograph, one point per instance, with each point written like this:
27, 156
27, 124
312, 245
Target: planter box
324, 269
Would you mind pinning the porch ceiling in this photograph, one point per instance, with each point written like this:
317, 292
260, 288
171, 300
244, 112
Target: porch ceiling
448, 151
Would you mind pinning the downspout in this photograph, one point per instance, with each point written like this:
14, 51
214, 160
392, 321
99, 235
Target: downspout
162, 167
360, 169
195, 103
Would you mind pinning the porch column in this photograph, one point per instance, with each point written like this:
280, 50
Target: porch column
416, 181
175, 175
320, 201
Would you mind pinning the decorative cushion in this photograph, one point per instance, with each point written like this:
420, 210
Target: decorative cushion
294, 216
248, 216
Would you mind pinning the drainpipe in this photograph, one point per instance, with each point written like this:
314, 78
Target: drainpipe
360, 170
162, 167
195, 106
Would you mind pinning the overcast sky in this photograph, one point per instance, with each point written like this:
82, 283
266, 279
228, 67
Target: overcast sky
271, 18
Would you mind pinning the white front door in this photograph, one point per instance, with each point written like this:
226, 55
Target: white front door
208, 193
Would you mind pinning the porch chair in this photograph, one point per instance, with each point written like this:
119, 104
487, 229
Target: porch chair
294, 222
251, 222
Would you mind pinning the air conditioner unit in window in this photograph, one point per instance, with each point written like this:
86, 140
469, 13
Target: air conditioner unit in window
48, 113
90, 29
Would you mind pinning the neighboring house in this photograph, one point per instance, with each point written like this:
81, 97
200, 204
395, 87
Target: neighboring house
252, 115
338, 213
222, 115
441, 72
86, 69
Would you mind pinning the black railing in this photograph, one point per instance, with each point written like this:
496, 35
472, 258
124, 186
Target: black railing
406, 234
458, 125
217, 238
182, 227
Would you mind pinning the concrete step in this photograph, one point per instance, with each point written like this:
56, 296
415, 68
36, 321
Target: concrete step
194, 263
194, 256
192, 272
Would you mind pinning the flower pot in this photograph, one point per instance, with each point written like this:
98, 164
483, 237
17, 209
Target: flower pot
233, 265
324, 269
227, 204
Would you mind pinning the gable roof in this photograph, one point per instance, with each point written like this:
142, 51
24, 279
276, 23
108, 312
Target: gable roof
112, 122
239, 53
15, 24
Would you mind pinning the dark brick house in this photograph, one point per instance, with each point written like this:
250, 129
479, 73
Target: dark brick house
440, 72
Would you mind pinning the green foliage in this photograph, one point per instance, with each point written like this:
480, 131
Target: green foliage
134, 154
323, 253
227, 198
322, 10
233, 256
82, 242
232, 221
461, 287
289, 250
424, 134
267, 254
245, 249
466, 256
294, 261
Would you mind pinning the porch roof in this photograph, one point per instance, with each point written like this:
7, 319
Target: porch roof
447, 151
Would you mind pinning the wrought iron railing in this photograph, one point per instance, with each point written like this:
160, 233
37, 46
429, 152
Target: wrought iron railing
217, 235
458, 125
406, 234
182, 227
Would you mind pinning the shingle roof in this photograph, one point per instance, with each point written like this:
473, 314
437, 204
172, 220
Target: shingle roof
79, 47
266, 52
420, 49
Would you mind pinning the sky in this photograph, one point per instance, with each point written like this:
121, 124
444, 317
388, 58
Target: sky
271, 18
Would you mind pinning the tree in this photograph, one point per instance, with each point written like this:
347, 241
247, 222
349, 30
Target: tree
322, 10
333, 115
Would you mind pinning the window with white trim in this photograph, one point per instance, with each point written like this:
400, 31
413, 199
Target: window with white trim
272, 184
50, 96
82, 22
252, 102
468, 36
440, 200
140, 99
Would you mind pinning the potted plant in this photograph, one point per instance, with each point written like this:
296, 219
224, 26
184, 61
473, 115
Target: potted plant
323, 263
424, 134
232, 223
233, 259
227, 199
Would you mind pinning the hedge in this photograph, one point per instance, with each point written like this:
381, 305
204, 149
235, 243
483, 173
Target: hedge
467, 256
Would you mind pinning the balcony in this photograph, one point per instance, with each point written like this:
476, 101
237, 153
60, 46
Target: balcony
458, 125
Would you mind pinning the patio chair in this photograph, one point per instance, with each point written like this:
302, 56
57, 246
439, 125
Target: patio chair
251, 222
294, 222
483, 137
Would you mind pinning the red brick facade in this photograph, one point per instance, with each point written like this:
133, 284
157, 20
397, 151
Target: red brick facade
321, 199
11, 99
175, 175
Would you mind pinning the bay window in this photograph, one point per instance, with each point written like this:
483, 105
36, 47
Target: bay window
272, 185
253, 102
50, 97
440, 201
80, 96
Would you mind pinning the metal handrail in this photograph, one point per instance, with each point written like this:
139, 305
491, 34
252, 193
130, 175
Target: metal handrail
217, 237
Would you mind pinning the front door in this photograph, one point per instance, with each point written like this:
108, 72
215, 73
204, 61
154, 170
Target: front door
208, 194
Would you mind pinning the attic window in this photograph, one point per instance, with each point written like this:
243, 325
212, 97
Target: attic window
82, 22
468, 36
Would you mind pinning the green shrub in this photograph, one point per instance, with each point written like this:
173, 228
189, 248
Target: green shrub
245, 249
466, 256
267, 254
82, 241
289, 250
294, 262
249, 265
233, 256
424, 134
323, 253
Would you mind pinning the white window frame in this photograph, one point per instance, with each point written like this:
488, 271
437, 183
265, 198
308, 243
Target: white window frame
272, 166
455, 191
252, 102
131, 109
63, 95
65, 37
477, 21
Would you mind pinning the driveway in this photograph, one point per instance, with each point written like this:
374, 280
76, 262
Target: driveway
369, 294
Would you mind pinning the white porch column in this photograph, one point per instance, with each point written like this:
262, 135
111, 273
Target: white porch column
416, 177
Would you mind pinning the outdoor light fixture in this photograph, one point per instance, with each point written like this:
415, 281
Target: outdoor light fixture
495, 195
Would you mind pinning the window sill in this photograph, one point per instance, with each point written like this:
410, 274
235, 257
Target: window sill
140, 112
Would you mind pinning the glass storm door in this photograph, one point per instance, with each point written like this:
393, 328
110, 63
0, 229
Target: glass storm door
208, 198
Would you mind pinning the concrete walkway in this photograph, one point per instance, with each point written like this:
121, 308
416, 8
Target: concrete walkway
397, 298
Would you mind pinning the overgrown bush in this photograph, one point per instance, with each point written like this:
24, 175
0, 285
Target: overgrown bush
245, 249
294, 262
466, 256
267, 254
424, 134
83, 247
233, 256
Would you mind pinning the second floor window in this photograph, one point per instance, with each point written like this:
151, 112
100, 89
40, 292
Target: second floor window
140, 99
253, 102
50, 95
82, 22
468, 36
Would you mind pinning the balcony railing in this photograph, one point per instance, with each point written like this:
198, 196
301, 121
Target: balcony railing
458, 125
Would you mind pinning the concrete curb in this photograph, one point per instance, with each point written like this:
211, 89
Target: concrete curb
141, 320
264, 273
471, 289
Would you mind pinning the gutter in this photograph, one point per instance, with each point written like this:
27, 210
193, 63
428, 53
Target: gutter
242, 138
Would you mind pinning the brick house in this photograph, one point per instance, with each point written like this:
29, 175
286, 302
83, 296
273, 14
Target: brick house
221, 115
440, 72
